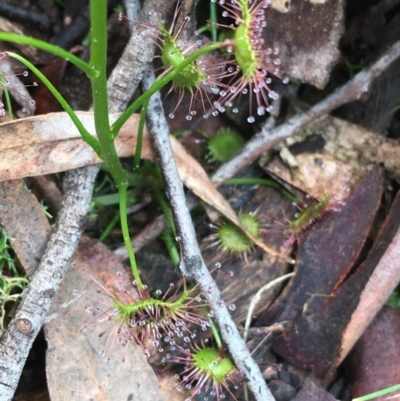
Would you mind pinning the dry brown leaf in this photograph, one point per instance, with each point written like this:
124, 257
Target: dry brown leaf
51, 143
307, 34
345, 153
22, 218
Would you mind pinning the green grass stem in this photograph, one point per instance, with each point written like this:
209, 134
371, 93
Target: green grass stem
378, 393
86, 136
90, 71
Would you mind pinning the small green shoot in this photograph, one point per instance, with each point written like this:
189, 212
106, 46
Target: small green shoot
11, 282
379, 393
223, 145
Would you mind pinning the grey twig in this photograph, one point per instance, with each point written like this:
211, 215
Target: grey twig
192, 262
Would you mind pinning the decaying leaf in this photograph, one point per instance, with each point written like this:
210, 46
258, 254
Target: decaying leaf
314, 307
311, 392
332, 155
374, 362
307, 34
51, 143
20, 211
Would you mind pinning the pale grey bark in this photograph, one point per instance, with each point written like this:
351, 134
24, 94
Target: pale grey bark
193, 264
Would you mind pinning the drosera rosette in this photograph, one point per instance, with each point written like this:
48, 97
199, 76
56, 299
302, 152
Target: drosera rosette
200, 78
148, 320
253, 64
305, 218
230, 239
208, 370
223, 145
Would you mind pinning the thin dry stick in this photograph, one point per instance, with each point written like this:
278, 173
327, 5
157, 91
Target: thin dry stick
257, 298
268, 138
192, 263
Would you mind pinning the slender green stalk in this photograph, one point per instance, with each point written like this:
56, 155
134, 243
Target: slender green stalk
86, 136
139, 141
214, 329
7, 97
378, 393
213, 21
156, 194
109, 228
125, 233
158, 84
98, 59
90, 71
170, 244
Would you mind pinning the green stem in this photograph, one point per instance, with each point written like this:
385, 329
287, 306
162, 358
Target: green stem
156, 194
86, 136
214, 329
139, 141
378, 393
125, 233
7, 98
170, 244
213, 20
109, 228
159, 83
98, 59
48, 47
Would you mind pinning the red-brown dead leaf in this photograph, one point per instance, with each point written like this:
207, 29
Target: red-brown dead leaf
307, 33
311, 392
316, 312
373, 364
53, 68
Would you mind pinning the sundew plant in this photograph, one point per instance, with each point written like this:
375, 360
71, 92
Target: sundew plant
215, 73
